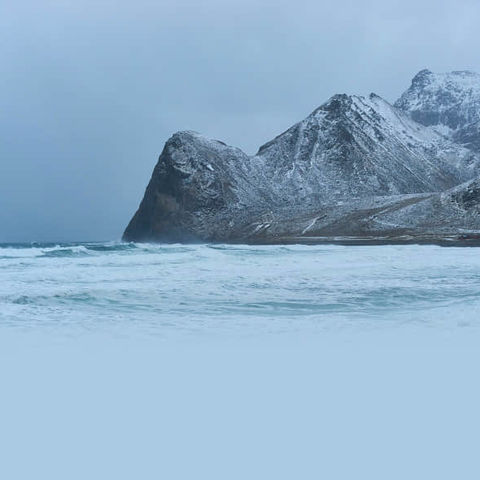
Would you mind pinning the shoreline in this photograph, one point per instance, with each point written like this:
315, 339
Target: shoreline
360, 240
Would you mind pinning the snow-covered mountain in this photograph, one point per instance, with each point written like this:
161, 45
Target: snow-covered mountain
356, 147
449, 102
349, 165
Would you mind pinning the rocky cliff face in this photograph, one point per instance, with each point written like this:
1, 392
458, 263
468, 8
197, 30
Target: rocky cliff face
197, 187
355, 166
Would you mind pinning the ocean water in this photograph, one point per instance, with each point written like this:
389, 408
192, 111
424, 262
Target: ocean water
136, 361
236, 290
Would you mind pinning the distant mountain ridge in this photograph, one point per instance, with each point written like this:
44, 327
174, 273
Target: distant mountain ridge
449, 101
353, 161
362, 146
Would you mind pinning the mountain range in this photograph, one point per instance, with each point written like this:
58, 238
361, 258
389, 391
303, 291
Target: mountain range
357, 169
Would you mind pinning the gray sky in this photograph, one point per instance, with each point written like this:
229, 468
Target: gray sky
90, 90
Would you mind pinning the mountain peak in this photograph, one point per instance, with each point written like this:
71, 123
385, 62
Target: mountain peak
427, 76
336, 103
342, 103
422, 74
450, 100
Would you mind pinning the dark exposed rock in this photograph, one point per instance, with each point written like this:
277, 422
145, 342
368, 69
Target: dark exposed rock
193, 188
468, 136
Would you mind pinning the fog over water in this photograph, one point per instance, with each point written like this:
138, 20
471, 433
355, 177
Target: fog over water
90, 91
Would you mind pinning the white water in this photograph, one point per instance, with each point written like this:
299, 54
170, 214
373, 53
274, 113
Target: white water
172, 290
169, 362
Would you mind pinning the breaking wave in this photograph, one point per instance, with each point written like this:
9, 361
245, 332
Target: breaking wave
230, 288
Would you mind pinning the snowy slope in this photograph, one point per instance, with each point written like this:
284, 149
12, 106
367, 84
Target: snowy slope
450, 102
355, 147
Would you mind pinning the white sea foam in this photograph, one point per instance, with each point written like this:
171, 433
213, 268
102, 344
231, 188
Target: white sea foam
236, 289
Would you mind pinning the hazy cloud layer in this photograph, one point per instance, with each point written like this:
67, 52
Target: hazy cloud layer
90, 90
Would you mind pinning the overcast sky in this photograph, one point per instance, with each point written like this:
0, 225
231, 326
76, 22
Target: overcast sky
90, 90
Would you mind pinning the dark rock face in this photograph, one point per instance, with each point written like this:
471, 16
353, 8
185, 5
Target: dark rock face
193, 187
355, 166
468, 136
